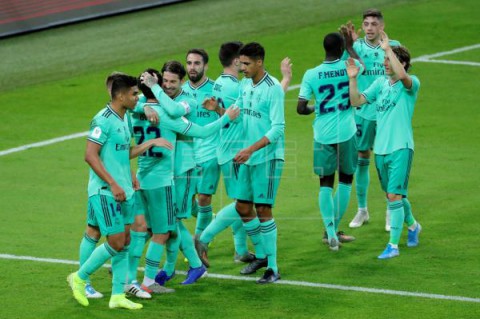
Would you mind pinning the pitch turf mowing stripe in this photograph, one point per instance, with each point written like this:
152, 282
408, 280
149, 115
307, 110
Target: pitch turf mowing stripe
280, 282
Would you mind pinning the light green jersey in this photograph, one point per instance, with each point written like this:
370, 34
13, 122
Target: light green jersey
373, 58
205, 149
173, 108
226, 91
184, 153
262, 106
113, 133
395, 105
156, 165
328, 83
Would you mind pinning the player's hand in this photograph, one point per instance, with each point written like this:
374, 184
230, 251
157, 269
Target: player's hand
233, 112
149, 79
210, 104
351, 30
161, 142
242, 156
384, 41
118, 192
286, 68
151, 114
135, 182
352, 68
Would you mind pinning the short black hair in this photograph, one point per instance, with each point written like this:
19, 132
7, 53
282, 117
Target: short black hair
228, 52
174, 67
201, 52
402, 55
121, 83
111, 77
334, 44
253, 50
375, 13
145, 89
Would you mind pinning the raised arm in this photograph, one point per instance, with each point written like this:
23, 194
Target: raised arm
286, 70
348, 32
356, 99
397, 67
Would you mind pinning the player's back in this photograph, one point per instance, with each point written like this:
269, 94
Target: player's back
226, 91
328, 82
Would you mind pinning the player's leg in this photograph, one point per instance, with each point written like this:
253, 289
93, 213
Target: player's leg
251, 223
365, 138
160, 216
87, 246
265, 182
197, 269
206, 187
172, 247
347, 158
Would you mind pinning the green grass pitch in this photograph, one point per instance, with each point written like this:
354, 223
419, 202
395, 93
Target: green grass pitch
52, 83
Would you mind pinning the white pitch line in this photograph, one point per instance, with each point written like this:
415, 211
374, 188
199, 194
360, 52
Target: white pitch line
423, 58
43, 143
439, 54
450, 62
281, 282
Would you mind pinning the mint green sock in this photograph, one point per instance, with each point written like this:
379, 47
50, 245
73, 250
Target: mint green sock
397, 215
187, 246
119, 271
362, 178
340, 202
96, 260
87, 246
195, 208
253, 231
269, 234
173, 246
325, 202
225, 217
409, 219
152, 259
137, 244
204, 218
239, 237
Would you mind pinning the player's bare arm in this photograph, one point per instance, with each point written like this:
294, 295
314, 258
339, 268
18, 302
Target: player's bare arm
397, 67
303, 108
140, 149
92, 157
356, 99
286, 70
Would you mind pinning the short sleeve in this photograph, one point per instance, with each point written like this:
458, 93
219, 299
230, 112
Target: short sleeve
99, 129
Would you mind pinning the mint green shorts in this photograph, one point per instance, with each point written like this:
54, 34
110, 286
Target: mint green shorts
160, 209
108, 215
185, 186
209, 177
394, 171
230, 172
328, 158
259, 183
366, 131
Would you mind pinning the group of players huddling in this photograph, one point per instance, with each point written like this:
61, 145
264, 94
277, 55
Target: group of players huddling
187, 133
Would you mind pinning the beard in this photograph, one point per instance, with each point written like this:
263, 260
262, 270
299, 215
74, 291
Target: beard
196, 77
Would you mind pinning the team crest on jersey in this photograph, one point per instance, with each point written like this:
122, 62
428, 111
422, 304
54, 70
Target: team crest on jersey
97, 132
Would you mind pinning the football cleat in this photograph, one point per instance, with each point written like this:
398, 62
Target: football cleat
155, 288
360, 218
202, 251
343, 238
268, 277
91, 293
120, 301
134, 289
78, 288
333, 244
161, 278
255, 265
247, 258
194, 274
389, 252
412, 240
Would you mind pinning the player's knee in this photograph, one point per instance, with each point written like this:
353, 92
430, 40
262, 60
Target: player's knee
393, 197
204, 199
345, 178
264, 212
117, 241
327, 181
243, 207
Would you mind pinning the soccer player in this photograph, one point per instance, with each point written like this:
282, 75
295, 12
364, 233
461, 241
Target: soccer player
262, 102
226, 91
368, 48
199, 86
334, 133
110, 190
395, 96
157, 169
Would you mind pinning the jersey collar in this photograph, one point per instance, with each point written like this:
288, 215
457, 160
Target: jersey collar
198, 87
113, 111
